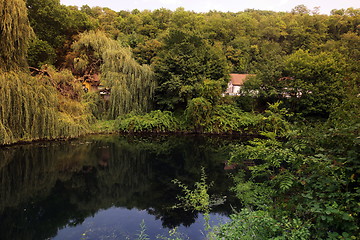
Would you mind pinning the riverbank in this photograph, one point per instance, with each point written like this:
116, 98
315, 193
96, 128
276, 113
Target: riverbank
222, 120
107, 127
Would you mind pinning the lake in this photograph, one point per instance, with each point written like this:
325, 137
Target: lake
110, 187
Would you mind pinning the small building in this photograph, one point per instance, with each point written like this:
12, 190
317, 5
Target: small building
105, 93
91, 82
236, 83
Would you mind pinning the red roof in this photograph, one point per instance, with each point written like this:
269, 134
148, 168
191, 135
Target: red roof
239, 79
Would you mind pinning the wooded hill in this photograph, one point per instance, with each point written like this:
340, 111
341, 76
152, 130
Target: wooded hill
166, 60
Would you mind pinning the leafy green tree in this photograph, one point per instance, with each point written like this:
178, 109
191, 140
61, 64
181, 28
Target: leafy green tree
343, 21
53, 22
147, 53
300, 9
240, 53
148, 27
308, 83
318, 78
40, 52
186, 20
56, 24
219, 27
306, 184
162, 18
183, 65
132, 85
108, 21
130, 23
198, 113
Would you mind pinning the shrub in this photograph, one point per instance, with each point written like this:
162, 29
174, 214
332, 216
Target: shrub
198, 113
155, 121
230, 119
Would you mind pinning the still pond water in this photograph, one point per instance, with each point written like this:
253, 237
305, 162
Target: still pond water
105, 187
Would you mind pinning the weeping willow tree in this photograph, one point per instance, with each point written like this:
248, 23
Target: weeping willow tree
30, 109
132, 85
15, 32
26, 109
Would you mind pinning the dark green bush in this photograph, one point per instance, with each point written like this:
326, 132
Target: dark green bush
155, 121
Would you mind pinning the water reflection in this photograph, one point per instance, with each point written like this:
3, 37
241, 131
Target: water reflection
47, 186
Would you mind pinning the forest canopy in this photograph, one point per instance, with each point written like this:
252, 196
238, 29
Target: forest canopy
180, 60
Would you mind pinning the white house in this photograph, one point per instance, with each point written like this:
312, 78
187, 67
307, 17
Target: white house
236, 82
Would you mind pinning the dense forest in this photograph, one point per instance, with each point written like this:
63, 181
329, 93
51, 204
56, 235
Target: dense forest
166, 71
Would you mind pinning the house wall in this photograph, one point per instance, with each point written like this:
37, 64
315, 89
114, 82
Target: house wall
232, 90
236, 90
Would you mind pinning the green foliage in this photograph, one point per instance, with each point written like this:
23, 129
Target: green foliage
345, 114
155, 121
55, 23
311, 178
132, 85
274, 174
30, 109
199, 117
275, 120
319, 77
15, 33
104, 126
196, 199
96, 105
184, 63
146, 53
26, 111
198, 113
286, 182
40, 53
142, 234
251, 225
231, 119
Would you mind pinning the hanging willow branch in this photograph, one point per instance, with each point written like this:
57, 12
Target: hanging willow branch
132, 84
30, 109
15, 33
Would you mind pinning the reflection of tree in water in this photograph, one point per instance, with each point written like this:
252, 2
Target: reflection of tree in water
27, 175
63, 183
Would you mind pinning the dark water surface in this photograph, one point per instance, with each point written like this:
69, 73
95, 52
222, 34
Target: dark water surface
104, 187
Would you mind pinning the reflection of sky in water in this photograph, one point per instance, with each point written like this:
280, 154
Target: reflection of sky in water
122, 223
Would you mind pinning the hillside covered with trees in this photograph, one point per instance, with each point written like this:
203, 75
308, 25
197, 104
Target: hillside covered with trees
166, 71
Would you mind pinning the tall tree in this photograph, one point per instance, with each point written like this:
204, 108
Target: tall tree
318, 78
132, 85
185, 62
15, 33
57, 25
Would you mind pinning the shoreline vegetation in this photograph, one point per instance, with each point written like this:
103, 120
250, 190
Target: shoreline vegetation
98, 70
165, 123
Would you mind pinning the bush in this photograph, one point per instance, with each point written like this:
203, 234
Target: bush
231, 119
198, 113
261, 225
155, 121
